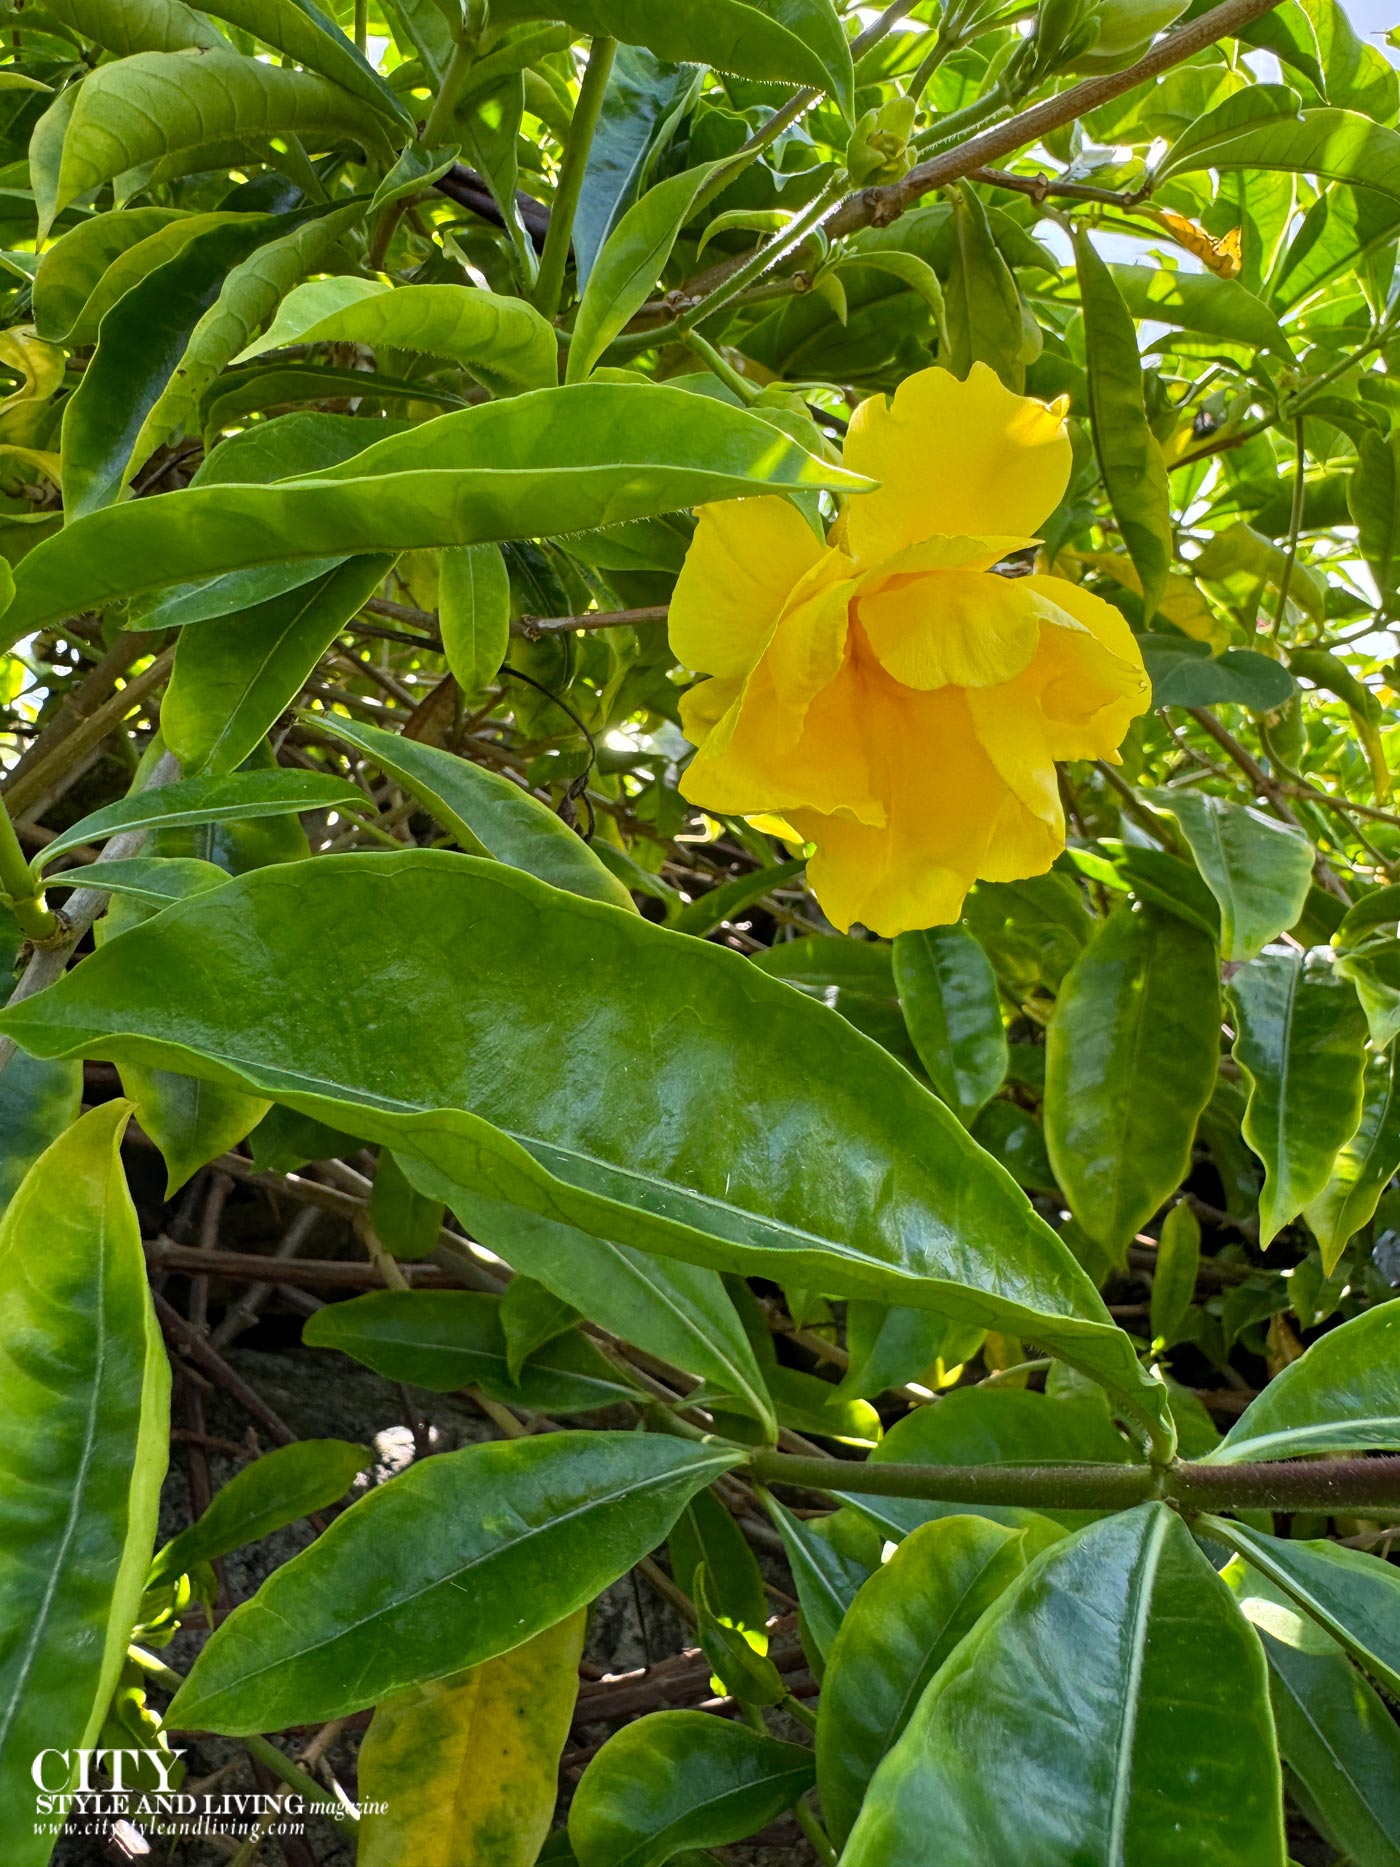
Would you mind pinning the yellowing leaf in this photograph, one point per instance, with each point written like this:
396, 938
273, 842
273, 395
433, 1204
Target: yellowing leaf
468, 1766
1224, 257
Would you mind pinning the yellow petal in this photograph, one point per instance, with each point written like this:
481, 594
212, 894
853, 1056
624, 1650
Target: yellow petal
943, 799
743, 562
968, 628
751, 763
809, 644
1011, 728
705, 705
1089, 681
952, 458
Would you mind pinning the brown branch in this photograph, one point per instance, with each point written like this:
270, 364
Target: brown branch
301, 1273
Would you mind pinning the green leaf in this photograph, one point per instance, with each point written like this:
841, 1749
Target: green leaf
73, 266
277, 1489
681, 1779
1364, 1167
126, 26
404, 1221
1300, 1041
902, 1625
1341, 1395
557, 461
1355, 1597
1185, 674
643, 105
792, 41
466, 1769
531, 1315
301, 30
890, 1343
706, 1536
727, 902
982, 305
1373, 967
448, 1339
1373, 498
1340, 1743
155, 104
250, 292
679, 1312
190, 1121
457, 1560
474, 615
1131, 1057
1111, 1706
139, 347
949, 995
488, 814
235, 676
830, 1558
503, 342
85, 1388
1334, 145
155, 880
1134, 472
632, 260
992, 1426
37, 1102
236, 797
1258, 869
742, 1670
1174, 1273
703, 1169
1200, 302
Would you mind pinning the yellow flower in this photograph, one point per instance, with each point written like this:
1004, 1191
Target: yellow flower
884, 694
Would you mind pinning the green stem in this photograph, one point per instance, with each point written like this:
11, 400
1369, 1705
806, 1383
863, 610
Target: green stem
361, 26
815, 1833
763, 259
435, 130
554, 260
17, 885
715, 363
1295, 526
1351, 1487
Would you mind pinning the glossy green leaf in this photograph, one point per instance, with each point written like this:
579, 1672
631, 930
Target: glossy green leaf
1110, 1707
531, 1315
797, 41
1354, 1596
982, 305
142, 339
645, 100
85, 1387
154, 104
74, 264
1373, 497
1130, 458
949, 995
474, 614
282, 1486
1185, 674
37, 1102
1200, 302
553, 462
891, 1343
250, 292
154, 880
235, 676
466, 1769
1335, 145
706, 1536
1258, 869
706, 1171
741, 1670
457, 1560
405, 1221
632, 259
903, 1624
488, 814
190, 1121
503, 342
126, 26
1342, 1395
1131, 1058
681, 1779
237, 797
1300, 1042
1364, 1167
301, 30
448, 1339
1174, 1273
1373, 967
730, 899
1340, 1743
830, 1559
679, 1312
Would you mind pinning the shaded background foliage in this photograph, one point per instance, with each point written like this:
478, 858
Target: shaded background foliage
243, 244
